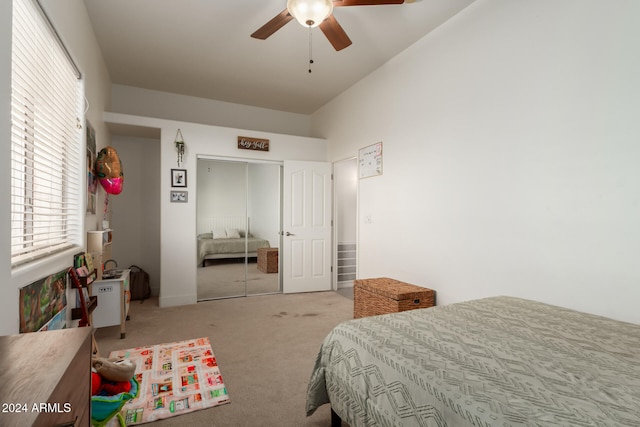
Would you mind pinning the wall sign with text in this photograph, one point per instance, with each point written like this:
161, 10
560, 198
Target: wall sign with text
258, 144
370, 160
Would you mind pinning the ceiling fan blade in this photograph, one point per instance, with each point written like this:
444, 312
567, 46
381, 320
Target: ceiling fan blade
338, 3
272, 26
334, 33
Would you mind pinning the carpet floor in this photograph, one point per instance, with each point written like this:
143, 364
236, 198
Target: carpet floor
226, 278
265, 346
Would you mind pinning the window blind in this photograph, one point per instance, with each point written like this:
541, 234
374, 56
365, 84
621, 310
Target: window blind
46, 140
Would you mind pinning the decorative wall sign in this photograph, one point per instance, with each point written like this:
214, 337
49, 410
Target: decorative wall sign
179, 196
370, 160
258, 144
178, 177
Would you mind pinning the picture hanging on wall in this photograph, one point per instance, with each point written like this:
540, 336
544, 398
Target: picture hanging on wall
179, 197
370, 161
43, 304
178, 177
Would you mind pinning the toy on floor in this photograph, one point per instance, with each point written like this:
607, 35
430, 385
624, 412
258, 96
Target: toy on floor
112, 385
110, 376
114, 370
111, 388
104, 408
96, 382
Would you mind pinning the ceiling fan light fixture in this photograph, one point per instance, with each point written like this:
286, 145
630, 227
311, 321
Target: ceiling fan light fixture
310, 13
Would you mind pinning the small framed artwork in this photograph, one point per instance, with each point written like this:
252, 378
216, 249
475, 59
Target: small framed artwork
370, 161
179, 196
178, 177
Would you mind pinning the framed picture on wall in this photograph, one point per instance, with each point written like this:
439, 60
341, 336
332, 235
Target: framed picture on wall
179, 197
178, 177
370, 161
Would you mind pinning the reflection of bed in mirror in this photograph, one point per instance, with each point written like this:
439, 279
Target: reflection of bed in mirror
226, 237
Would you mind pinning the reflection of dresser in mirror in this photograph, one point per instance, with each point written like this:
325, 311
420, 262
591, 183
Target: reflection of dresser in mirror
99, 246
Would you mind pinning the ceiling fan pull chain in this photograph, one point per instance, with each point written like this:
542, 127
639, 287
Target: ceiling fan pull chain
310, 51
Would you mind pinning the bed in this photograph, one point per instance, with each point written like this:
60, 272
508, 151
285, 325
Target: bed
499, 361
225, 237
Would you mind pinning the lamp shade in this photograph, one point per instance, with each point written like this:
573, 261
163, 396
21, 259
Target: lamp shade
310, 13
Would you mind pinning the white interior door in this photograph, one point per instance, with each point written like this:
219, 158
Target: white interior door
306, 219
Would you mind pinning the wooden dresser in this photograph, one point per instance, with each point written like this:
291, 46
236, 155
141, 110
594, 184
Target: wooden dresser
46, 378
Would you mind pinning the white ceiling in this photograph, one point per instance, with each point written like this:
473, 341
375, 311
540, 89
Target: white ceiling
203, 48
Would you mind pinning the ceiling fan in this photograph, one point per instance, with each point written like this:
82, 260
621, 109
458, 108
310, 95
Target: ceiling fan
314, 13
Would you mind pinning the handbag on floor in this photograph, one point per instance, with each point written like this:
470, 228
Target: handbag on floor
139, 283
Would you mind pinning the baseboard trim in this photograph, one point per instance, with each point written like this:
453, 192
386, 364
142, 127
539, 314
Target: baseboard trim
347, 284
177, 300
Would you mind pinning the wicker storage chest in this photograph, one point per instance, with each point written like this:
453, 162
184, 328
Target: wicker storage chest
268, 260
382, 295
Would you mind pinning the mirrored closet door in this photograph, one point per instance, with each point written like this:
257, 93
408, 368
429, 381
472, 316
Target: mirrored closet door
238, 223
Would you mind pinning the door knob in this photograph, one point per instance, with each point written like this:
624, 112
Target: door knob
289, 234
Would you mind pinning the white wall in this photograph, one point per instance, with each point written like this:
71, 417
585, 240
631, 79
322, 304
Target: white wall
510, 156
163, 105
72, 23
134, 216
345, 178
178, 257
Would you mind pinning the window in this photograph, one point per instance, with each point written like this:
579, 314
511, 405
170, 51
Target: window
46, 140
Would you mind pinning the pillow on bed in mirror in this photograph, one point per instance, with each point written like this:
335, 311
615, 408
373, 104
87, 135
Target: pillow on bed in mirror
233, 233
219, 234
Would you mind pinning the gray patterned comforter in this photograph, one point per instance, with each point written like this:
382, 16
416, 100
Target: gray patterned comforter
498, 361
